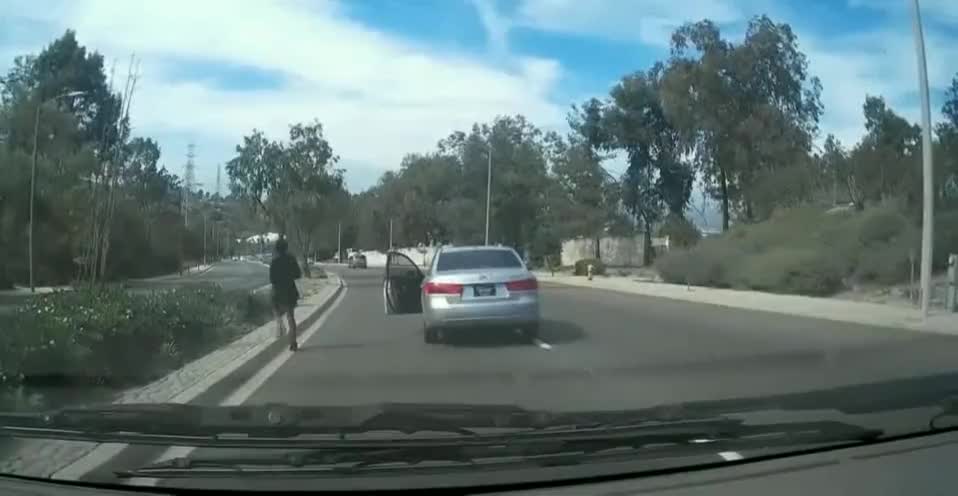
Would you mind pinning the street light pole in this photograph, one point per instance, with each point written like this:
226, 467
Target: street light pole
33, 191
928, 204
488, 191
33, 178
204, 239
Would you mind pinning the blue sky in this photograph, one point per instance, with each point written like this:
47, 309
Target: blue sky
389, 77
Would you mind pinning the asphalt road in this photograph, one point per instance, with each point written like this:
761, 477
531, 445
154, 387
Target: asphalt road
598, 350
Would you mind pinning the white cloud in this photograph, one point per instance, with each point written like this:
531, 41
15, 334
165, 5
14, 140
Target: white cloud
647, 21
878, 60
496, 25
935, 11
379, 96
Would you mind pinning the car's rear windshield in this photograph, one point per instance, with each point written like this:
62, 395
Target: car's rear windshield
477, 259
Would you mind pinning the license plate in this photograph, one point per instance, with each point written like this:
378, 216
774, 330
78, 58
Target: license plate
484, 290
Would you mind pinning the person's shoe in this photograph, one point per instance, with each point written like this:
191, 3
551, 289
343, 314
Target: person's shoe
293, 346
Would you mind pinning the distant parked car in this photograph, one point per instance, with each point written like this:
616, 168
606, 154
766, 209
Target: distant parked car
357, 261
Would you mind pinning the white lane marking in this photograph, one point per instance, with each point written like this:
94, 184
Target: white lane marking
247, 389
731, 456
542, 344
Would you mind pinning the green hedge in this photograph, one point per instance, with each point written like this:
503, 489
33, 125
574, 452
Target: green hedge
680, 231
710, 263
805, 251
110, 336
790, 270
582, 267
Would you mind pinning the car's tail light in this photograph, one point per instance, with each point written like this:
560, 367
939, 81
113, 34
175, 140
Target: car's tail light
442, 288
530, 284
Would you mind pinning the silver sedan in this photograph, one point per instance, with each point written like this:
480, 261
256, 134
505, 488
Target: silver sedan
465, 286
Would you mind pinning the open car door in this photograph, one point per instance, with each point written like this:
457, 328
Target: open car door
402, 288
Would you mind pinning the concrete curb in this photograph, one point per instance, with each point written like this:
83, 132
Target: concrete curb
74, 460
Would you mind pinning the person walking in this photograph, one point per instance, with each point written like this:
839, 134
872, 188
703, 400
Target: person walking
283, 273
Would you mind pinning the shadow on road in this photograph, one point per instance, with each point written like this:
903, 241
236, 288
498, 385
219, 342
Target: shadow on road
550, 331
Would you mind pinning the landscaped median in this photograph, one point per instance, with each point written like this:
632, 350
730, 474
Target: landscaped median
189, 351
805, 306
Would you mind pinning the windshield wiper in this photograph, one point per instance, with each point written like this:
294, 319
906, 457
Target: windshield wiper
268, 425
399, 425
545, 447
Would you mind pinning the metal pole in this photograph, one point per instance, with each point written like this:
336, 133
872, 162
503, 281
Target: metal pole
204, 239
488, 191
927, 218
33, 191
339, 242
390, 234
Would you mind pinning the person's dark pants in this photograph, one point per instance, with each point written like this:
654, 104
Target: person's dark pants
287, 310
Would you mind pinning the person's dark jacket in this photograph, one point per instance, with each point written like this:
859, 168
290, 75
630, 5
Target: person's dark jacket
283, 273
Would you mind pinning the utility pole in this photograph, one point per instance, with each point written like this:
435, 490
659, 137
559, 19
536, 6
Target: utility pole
488, 191
339, 242
33, 189
928, 204
390, 234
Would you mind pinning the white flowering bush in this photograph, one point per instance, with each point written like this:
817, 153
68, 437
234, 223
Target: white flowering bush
107, 335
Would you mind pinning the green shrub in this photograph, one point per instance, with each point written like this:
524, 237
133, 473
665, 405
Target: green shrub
582, 267
946, 237
710, 263
790, 270
681, 232
807, 251
788, 227
889, 261
106, 334
880, 225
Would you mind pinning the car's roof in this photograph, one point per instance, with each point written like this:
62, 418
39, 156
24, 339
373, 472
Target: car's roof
474, 248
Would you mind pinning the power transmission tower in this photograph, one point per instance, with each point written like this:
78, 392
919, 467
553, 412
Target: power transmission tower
188, 182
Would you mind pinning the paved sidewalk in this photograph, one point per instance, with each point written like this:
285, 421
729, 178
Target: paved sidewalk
805, 306
50, 458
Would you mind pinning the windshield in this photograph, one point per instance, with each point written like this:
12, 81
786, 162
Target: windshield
477, 259
408, 234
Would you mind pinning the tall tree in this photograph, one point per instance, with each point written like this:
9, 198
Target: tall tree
290, 183
744, 110
255, 174
578, 167
887, 159
946, 179
656, 177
